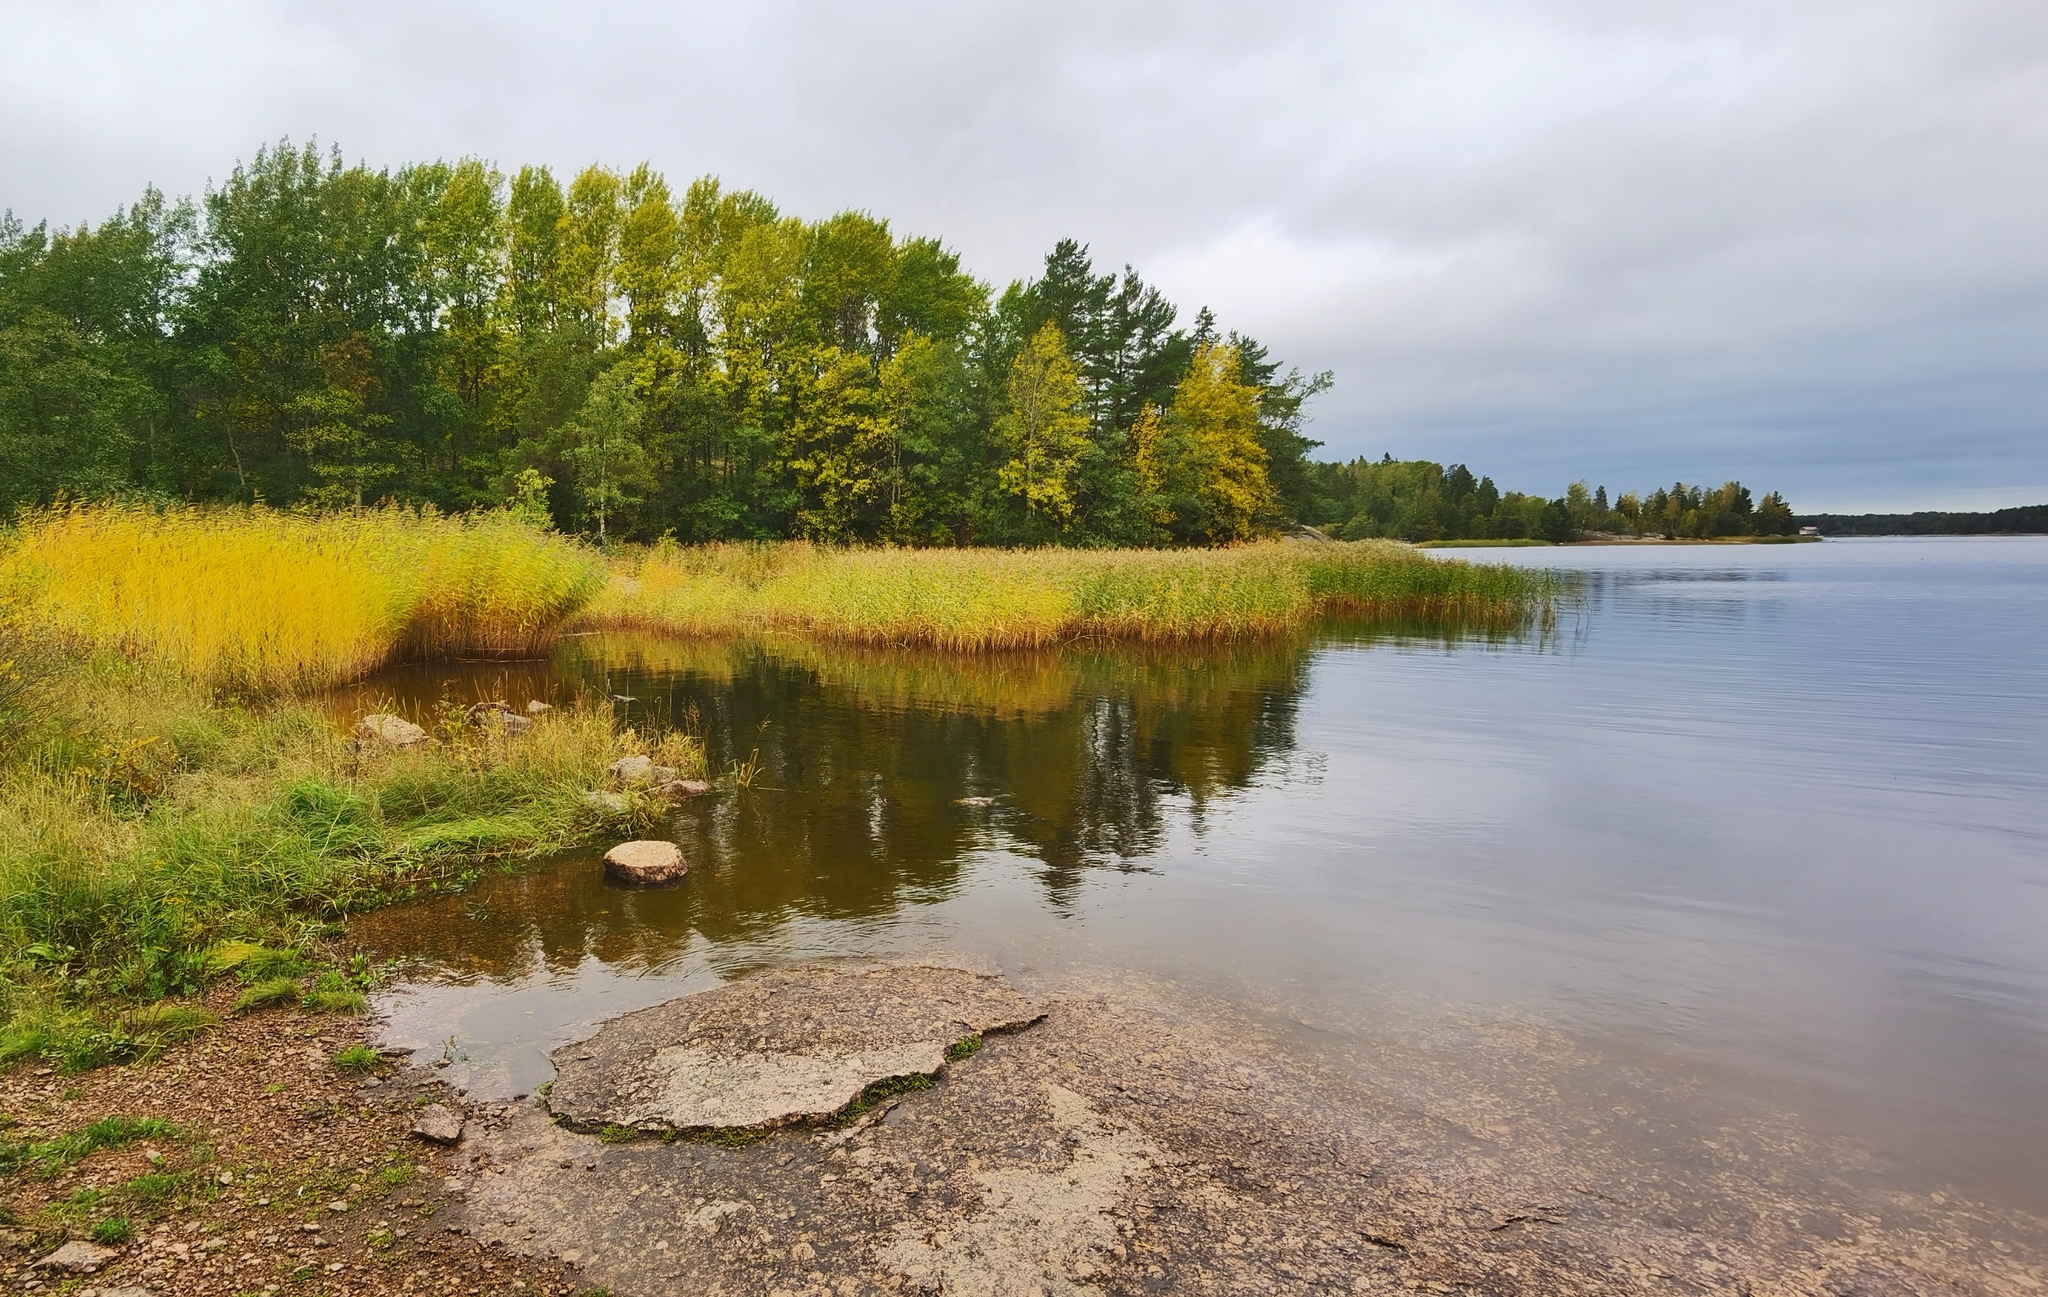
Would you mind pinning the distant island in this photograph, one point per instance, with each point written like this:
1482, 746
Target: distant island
2026, 520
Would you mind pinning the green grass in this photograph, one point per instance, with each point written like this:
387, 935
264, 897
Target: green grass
981, 600
260, 828
48, 1157
357, 1058
114, 1231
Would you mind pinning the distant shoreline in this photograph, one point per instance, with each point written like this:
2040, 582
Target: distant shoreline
1525, 543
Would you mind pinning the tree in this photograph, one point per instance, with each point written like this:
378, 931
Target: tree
605, 454
1217, 466
1044, 431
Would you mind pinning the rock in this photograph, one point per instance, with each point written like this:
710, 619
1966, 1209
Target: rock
438, 1124
647, 862
499, 715
77, 1258
631, 770
669, 782
125, 1291
792, 1046
387, 730
535, 707
608, 803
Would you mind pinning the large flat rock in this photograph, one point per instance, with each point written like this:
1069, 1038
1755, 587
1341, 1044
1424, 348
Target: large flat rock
793, 1046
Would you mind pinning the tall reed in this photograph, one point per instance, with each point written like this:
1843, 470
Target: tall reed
261, 600
1010, 599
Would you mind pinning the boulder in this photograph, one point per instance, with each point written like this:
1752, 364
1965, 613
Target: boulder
386, 730
631, 770
499, 716
679, 788
646, 863
536, 707
77, 1258
438, 1124
606, 803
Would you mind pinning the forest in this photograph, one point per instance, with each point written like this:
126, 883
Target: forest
607, 356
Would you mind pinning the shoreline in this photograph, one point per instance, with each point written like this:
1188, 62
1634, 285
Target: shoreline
1135, 1138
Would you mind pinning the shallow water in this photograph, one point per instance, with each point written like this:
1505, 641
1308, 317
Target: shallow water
1759, 834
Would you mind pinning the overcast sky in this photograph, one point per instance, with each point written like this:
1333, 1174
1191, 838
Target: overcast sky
1802, 242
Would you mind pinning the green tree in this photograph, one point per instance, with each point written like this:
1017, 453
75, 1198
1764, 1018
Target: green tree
604, 452
1044, 432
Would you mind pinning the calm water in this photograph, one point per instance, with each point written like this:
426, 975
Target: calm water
1762, 832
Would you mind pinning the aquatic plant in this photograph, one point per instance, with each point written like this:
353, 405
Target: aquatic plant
255, 599
1009, 599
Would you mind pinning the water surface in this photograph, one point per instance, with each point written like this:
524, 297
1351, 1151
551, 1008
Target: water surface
1759, 833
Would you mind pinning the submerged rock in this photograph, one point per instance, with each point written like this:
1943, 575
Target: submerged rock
438, 1124
77, 1258
646, 862
390, 731
796, 1045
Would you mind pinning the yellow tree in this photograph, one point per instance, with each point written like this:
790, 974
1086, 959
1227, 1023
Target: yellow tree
1215, 460
1044, 430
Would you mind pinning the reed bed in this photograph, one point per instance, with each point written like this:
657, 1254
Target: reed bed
254, 599
984, 600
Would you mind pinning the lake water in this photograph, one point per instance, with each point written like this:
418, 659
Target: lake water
1750, 838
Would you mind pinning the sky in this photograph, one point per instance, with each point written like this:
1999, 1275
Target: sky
1801, 243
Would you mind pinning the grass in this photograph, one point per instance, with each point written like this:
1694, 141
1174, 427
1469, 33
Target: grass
48, 1157
253, 599
979, 600
251, 832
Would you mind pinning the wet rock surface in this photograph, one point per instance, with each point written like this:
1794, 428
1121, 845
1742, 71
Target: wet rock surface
796, 1045
1122, 1145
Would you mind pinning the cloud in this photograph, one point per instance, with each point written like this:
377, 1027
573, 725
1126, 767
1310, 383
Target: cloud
1803, 243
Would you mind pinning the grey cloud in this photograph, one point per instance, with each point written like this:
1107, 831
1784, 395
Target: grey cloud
1798, 242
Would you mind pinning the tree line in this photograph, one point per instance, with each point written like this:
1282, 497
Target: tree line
1419, 500
609, 356
2023, 520
614, 357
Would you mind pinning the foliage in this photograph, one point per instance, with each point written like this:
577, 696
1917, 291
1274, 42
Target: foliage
607, 353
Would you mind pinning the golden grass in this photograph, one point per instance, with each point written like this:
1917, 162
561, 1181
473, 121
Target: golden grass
982, 600
268, 601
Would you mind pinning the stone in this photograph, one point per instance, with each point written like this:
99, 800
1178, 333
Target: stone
438, 1124
647, 862
631, 770
515, 726
669, 782
500, 716
609, 804
390, 731
77, 1258
128, 1290
535, 707
793, 1046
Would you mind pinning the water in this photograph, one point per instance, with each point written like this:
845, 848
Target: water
1753, 839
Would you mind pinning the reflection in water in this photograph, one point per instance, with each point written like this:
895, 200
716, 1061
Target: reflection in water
876, 776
